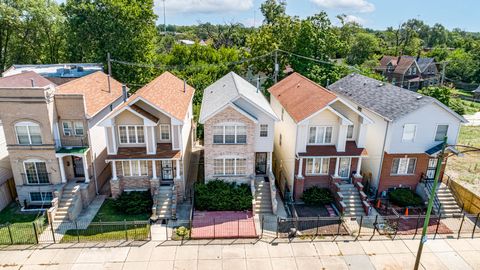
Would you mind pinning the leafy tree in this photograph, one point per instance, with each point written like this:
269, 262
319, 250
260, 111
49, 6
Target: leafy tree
445, 95
363, 48
461, 66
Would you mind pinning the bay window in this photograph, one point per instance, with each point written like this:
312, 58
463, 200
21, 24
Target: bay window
401, 166
230, 134
28, 133
230, 166
131, 134
316, 166
320, 135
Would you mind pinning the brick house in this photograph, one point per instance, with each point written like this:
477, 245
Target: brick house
320, 138
409, 72
239, 126
49, 131
149, 140
407, 133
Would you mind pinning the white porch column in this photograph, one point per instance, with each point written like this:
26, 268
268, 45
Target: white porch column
62, 169
362, 135
114, 170
154, 169
342, 137
359, 167
300, 168
337, 165
85, 168
270, 160
114, 140
177, 169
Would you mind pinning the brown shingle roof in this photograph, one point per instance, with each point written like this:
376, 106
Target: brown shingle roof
24, 80
403, 64
386, 59
168, 94
300, 96
94, 88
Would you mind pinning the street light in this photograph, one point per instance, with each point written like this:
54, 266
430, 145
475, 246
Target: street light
441, 157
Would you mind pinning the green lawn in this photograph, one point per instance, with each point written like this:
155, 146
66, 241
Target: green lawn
108, 225
20, 225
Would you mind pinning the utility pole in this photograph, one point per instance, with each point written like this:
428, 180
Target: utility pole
276, 67
441, 156
164, 19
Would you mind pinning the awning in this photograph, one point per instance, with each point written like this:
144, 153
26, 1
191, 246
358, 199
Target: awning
437, 148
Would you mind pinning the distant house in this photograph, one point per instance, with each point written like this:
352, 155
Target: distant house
476, 93
186, 42
409, 72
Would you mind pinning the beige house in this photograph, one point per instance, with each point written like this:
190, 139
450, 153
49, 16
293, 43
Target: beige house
150, 140
56, 150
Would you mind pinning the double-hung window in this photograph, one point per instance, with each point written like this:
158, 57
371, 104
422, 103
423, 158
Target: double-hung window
230, 166
320, 135
135, 168
28, 133
402, 166
316, 166
350, 132
441, 132
230, 134
164, 132
409, 131
73, 128
78, 128
36, 172
131, 134
263, 130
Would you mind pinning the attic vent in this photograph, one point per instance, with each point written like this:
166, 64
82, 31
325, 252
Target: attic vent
419, 97
380, 84
353, 74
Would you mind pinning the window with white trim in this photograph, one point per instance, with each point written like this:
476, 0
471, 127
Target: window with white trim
73, 128
131, 134
409, 131
402, 166
78, 125
135, 168
350, 132
28, 133
36, 172
320, 135
229, 166
164, 132
230, 134
263, 130
441, 132
317, 166
41, 196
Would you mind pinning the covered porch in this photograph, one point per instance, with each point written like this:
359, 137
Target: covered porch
73, 163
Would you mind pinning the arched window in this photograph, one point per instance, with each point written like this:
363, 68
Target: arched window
28, 133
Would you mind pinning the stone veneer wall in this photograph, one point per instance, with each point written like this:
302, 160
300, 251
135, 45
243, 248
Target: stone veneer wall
212, 151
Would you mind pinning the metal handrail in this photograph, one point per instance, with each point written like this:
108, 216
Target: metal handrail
429, 186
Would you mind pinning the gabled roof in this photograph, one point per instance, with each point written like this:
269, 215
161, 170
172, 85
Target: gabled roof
387, 59
228, 89
388, 101
95, 89
167, 93
24, 80
301, 97
403, 64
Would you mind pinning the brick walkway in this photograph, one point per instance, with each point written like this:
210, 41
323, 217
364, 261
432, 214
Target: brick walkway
223, 224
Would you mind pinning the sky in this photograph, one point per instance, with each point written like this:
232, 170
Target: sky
374, 14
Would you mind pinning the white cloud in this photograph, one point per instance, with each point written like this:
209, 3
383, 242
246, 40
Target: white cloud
353, 18
204, 6
353, 5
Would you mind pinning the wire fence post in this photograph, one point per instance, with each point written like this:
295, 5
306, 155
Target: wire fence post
475, 226
35, 232
461, 225
416, 227
238, 228
78, 233
134, 230
214, 233
125, 229
53, 233
263, 225
396, 228
339, 225
278, 225
10, 233
438, 224
318, 224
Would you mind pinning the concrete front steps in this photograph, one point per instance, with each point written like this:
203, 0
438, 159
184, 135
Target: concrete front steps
449, 206
263, 199
163, 202
352, 200
65, 202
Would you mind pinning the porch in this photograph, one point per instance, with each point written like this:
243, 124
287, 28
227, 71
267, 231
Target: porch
73, 163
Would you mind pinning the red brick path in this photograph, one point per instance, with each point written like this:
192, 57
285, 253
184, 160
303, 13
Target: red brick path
223, 224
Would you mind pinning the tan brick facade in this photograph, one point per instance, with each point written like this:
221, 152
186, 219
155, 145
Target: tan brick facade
212, 151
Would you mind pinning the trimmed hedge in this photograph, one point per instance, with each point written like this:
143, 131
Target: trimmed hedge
317, 196
218, 195
134, 202
405, 197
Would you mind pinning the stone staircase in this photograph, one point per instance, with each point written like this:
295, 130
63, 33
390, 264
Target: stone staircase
263, 200
163, 202
66, 201
448, 204
352, 200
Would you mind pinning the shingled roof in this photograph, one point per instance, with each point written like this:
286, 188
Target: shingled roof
28, 79
389, 101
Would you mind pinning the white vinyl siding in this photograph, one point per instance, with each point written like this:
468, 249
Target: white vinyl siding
402, 166
131, 134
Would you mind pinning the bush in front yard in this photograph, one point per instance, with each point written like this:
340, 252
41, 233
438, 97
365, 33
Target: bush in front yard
218, 195
317, 196
134, 203
405, 197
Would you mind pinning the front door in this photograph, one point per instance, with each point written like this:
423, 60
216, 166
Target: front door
344, 167
261, 163
167, 170
78, 170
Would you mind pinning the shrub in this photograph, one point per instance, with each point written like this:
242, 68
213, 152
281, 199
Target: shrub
405, 197
218, 195
317, 196
134, 203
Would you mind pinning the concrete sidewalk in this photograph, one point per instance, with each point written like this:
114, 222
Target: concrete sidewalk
399, 254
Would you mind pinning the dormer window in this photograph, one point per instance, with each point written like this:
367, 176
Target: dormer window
28, 133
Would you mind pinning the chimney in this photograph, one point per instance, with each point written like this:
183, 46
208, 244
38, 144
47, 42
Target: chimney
33, 82
125, 93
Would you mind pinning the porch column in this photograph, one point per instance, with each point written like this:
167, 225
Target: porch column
300, 168
154, 169
114, 170
337, 165
177, 169
359, 166
270, 160
85, 169
62, 169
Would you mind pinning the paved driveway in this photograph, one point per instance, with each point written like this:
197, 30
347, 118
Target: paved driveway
439, 254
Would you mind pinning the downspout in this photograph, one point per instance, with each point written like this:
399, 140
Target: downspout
382, 156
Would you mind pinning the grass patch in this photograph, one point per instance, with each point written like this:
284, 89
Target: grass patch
109, 212
20, 225
405, 197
